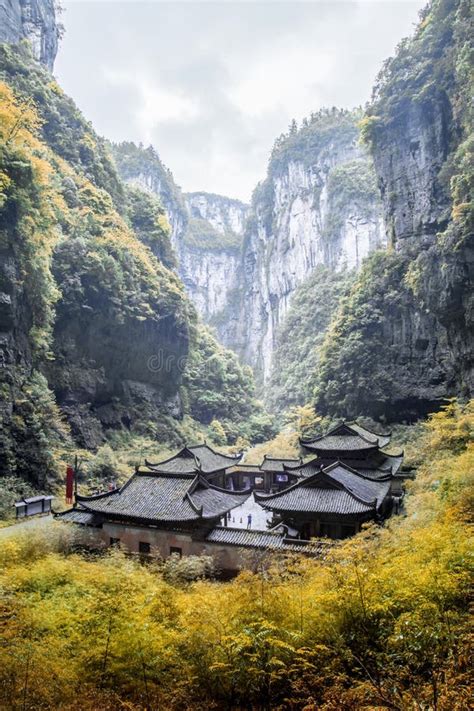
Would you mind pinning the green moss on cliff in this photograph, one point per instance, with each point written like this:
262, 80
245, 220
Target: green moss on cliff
370, 358
149, 222
143, 166
200, 234
324, 130
357, 367
301, 335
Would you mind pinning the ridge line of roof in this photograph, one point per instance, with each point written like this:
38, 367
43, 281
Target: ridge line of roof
174, 456
384, 434
304, 482
220, 454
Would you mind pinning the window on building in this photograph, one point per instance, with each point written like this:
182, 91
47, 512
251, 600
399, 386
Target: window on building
144, 547
115, 541
176, 551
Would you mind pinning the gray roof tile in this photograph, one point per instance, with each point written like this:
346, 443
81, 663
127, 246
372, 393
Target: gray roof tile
262, 540
86, 518
164, 497
275, 464
199, 457
347, 437
334, 490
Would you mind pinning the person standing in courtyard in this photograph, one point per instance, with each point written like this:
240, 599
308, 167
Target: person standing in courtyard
249, 521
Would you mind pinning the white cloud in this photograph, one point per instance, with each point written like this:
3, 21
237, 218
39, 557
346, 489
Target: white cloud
212, 84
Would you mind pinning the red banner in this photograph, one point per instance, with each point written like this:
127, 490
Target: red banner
69, 484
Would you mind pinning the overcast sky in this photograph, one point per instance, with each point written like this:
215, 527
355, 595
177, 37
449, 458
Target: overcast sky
212, 84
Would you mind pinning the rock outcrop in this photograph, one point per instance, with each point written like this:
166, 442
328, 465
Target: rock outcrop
34, 21
404, 339
319, 205
206, 233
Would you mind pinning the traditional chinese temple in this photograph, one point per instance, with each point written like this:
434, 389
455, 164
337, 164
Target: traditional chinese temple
164, 511
181, 505
360, 449
349, 480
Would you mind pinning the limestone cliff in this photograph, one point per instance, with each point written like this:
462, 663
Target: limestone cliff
319, 205
34, 21
210, 256
404, 338
207, 233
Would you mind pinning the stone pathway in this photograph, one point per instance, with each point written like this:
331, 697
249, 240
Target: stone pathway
260, 517
29, 524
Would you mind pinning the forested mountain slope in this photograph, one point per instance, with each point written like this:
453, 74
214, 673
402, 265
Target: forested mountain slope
403, 337
94, 324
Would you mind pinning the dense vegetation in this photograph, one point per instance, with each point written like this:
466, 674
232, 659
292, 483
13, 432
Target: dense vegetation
62, 126
382, 622
200, 234
137, 163
300, 337
360, 370
148, 220
319, 132
88, 298
222, 392
368, 360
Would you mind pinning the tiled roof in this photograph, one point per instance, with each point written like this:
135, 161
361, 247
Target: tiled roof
261, 539
334, 490
379, 466
198, 457
347, 437
250, 468
275, 464
86, 518
382, 439
164, 497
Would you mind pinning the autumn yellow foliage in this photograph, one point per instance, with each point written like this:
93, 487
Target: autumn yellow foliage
382, 623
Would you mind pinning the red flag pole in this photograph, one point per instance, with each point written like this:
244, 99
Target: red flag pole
69, 484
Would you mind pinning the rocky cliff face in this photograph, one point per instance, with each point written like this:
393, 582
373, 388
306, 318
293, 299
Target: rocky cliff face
421, 137
404, 338
318, 206
206, 234
209, 254
241, 265
32, 20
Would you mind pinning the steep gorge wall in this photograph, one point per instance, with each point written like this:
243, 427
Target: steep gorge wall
319, 205
241, 265
404, 338
32, 20
206, 234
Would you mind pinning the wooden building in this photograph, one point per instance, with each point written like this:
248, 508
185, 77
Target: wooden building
163, 511
198, 458
180, 505
332, 501
33, 506
270, 475
362, 450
